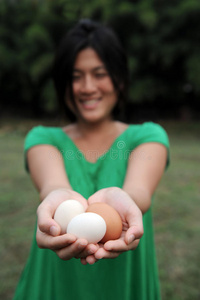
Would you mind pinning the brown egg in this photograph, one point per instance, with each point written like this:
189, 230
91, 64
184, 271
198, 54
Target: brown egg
111, 217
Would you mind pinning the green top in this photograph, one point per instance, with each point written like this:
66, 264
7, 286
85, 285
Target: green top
132, 275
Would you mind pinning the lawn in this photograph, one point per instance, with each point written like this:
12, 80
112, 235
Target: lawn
176, 211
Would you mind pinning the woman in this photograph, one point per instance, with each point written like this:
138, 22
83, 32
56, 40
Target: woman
94, 159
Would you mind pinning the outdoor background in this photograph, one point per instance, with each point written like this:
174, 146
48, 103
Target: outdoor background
162, 40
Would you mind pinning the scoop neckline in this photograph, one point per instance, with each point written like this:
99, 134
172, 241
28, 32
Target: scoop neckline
101, 156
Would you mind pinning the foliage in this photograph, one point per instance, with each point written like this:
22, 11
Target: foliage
161, 39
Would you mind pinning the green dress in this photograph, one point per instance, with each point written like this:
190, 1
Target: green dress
132, 275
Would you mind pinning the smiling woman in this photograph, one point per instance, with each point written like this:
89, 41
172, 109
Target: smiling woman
109, 53
93, 91
90, 75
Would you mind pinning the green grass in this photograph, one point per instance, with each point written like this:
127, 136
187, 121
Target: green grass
176, 212
176, 216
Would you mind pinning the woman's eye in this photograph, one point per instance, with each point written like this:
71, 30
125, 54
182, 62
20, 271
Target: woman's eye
101, 75
76, 77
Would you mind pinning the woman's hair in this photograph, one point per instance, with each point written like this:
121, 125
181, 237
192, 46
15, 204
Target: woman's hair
89, 34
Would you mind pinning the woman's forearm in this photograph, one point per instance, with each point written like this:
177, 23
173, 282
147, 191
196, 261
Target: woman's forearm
141, 197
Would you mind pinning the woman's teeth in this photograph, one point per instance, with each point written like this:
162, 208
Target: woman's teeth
90, 102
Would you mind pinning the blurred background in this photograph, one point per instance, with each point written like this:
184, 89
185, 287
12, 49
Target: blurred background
162, 40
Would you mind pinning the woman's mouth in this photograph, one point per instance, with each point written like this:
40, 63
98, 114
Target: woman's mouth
89, 104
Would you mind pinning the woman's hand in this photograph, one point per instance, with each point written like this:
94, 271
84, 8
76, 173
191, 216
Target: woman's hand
48, 235
68, 246
131, 219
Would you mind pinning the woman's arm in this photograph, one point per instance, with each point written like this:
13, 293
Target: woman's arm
47, 171
145, 169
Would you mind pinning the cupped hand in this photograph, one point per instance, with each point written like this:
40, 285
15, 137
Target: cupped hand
48, 233
131, 219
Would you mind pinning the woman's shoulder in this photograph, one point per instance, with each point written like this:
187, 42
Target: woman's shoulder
146, 127
148, 132
41, 130
42, 135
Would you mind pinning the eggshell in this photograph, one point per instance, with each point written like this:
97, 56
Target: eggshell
66, 211
89, 226
111, 217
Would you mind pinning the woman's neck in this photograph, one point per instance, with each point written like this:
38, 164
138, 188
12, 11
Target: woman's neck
97, 128
94, 139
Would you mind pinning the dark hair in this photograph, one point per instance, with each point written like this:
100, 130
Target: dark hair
89, 34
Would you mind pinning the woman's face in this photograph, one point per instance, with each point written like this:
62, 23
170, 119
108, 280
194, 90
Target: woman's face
93, 90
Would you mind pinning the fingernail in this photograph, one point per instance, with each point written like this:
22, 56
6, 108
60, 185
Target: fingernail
131, 238
82, 245
90, 251
53, 230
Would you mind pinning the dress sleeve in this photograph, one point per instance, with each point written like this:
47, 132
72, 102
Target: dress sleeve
39, 135
152, 132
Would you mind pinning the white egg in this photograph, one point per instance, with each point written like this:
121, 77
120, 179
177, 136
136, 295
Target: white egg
90, 226
66, 211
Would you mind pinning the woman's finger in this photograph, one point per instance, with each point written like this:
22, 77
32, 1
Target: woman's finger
45, 220
135, 224
120, 245
103, 253
89, 250
53, 242
72, 250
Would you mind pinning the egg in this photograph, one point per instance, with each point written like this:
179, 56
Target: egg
66, 211
111, 217
89, 226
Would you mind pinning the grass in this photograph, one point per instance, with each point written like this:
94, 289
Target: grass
176, 211
176, 216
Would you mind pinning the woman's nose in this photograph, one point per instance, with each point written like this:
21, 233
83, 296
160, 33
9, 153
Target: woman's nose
88, 85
